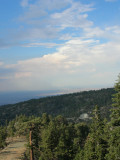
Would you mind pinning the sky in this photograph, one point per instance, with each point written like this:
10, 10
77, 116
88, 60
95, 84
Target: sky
59, 44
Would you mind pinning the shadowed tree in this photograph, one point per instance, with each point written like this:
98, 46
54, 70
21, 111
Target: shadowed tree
95, 146
114, 126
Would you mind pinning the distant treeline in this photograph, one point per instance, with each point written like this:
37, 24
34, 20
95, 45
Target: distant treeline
69, 105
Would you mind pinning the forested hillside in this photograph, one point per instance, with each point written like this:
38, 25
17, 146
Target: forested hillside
56, 138
78, 105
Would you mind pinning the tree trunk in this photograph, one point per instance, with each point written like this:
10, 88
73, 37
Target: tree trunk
31, 149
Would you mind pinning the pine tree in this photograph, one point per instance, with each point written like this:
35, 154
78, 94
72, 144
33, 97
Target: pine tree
3, 136
95, 146
114, 126
57, 140
81, 132
49, 140
11, 128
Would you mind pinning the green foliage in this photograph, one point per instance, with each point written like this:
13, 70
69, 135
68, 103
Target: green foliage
70, 105
81, 132
56, 138
11, 129
95, 146
3, 136
19, 126
79, 155
114, 126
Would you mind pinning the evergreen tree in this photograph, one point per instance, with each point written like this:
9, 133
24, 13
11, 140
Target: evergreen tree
81, 132
114, 126
48, 142
95, 146
56, 140
11, 128
45, 119
3, 136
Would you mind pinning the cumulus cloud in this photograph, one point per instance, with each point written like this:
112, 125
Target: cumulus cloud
88, 57
77, 63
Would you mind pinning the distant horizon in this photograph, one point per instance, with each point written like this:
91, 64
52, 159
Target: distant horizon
69, 88
13, 97
66, 89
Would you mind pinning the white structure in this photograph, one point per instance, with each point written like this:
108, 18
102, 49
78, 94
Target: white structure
84, 116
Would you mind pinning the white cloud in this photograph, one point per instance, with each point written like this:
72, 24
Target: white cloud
40, 7
73, 17
22, 74
45, 19
37, 44
114, 29
77, 63
111, 33
93, 32
89, 57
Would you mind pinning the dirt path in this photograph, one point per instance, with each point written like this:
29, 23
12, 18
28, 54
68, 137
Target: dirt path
14, 150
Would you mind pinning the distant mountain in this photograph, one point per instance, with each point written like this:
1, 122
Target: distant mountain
78, 105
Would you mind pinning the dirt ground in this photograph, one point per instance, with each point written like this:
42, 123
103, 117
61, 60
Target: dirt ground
14, 150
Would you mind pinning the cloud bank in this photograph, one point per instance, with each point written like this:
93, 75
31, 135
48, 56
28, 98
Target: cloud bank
86, 55
77, 63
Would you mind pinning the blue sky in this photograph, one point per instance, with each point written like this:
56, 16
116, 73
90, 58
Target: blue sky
52, 44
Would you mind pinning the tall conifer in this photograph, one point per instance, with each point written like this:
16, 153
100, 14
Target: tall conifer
114, 134
95, 147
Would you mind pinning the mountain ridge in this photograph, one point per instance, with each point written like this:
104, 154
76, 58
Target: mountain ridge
68, 105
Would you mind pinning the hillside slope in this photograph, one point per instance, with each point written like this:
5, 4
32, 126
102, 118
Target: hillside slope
69, 105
